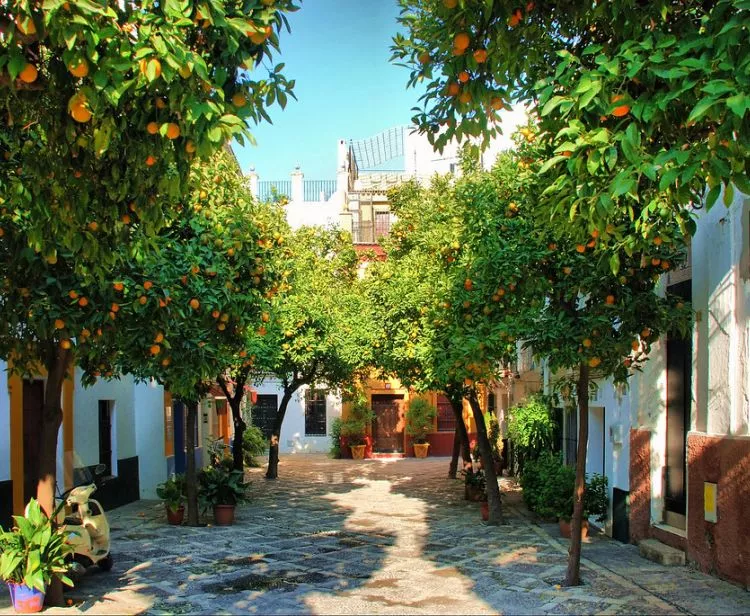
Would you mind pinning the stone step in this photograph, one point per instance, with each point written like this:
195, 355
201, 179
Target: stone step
387, 456
661, 553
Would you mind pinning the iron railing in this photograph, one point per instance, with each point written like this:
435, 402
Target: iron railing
369, 232
314, 189
269, 190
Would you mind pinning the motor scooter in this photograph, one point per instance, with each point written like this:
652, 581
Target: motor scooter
87, 526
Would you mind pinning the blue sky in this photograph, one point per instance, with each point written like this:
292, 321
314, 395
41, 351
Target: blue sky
338, 54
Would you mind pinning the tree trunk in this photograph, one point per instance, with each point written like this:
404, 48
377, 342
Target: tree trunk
239, 432
572, 576
493, 489
273, 441
191, 479
453, 468
461, 438
57, 365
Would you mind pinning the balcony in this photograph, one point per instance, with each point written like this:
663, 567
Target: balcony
370, 232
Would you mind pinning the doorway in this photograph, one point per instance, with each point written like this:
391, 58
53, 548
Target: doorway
388, 425
679, 374
33, 408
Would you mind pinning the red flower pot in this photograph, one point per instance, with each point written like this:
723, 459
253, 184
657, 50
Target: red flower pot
224, 515
25, 600
175, 516
485, 509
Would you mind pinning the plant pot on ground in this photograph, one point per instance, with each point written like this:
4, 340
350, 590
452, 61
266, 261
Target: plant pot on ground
222, 488
172, 492
484, 508
354, 427
420, 421
33, 552
564, 525
358, 451
475, 485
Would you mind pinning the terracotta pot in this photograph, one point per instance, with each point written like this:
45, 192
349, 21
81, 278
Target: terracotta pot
175, 516
25, 600
565, 528
358, 451
421, 449
224, 515
485, 509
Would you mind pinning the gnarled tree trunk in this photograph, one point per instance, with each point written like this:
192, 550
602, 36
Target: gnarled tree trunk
461, 437
191, 478
235, 403
273, 441
493, 489
572, 576
57, 364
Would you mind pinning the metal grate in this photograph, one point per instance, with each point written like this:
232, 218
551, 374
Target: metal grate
446, 420
373, 152
318, 190
315, 412
369, 232
269, 190
263, 413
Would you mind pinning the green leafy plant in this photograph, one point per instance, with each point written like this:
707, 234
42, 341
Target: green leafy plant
172, 491
34, 551
596, 498
531, 427
253, 444
420, 420
335, 450
221, 485
476, 481
355, 426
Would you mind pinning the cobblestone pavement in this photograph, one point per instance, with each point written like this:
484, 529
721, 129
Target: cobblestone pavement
376, 537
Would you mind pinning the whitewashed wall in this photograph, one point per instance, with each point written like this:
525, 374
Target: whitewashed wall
149, 434
4, 424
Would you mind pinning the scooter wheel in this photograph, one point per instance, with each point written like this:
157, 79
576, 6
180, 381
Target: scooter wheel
105, 564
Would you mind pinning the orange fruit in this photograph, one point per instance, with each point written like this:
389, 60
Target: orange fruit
586, 342
25, 25
158, 338
118, 286
635, 345
515, 18
450, 4
261, 330
453, 89
152, 64
173, 131
142, 300
79, 110
655, 261
125, 219
166, 361
85, 333
115, 307
594, 362
463, 76
221, 327
461, 41
621, 110
468, 284
150, 161
195, 269
610, 299
162, 303
465, 97
154, 349
215, 314
595, 233
480, 55
65, 344
185, 71
645, 333
424, 58
152, 128
72, 294
265, 317
83, 302
59, 324
80, 69
658, 241
160, 103
580, 248
195, 304
147, 285
239, 99
93, 225
28, 74
190, 147
112, 315
496, 103
568, 271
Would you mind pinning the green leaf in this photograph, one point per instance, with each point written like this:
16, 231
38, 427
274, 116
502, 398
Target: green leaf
614, 263
738, 104
553, 103
701, 108
728, 194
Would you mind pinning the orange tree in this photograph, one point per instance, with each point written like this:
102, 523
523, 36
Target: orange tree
105, 105
104, 108
642, 104
318, 329
194, 298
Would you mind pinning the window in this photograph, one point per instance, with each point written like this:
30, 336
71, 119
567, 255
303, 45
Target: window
315, 412
264, 413
491, 402
106, 408
446, 420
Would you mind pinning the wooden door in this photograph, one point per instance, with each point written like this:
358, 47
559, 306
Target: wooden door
388, 425
33, 403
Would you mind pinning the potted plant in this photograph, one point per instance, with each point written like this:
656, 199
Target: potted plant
172, 492
33, 552
595, 503
475, 485
420, 421
354, 427
221, 487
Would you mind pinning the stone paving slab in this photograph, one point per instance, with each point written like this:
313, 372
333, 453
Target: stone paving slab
376, 537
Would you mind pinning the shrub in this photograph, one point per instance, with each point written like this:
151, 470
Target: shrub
221, 485
253, 444
420, 419
532, 428
172, 491
335, 450
596, 498
355, 426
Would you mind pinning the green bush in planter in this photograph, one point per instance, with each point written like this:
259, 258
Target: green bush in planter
221, 485
335, 450
531, 428
172, 491
420, 420
596, 498
34, 551
253, 444
355, 426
